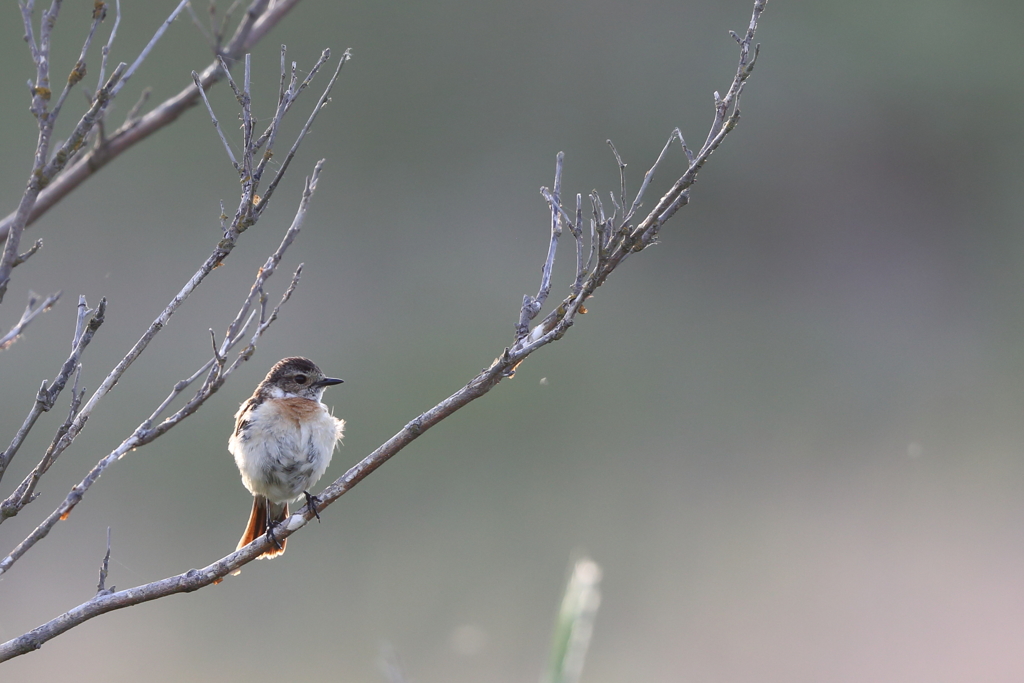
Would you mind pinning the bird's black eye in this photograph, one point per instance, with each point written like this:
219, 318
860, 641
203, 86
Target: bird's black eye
300, 379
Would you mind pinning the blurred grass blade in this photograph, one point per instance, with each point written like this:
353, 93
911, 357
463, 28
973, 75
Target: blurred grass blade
575, 623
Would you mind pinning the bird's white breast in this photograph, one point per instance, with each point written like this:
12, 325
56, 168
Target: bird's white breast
285, 447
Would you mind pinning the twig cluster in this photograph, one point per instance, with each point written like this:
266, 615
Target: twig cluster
55, 174
46, 398
613, 236
45, 166
252, 320
216, 369
612, 239
258, 18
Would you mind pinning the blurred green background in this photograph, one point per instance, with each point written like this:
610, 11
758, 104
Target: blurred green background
791, 434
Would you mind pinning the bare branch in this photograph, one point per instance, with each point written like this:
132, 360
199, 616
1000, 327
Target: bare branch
271, 265
31, 311
46, 397
145, 432
614, 244
321, 103
287, 98
105, 52
254, 16
259, 19
44, 171
101, 587
245, 216
532, 304
210, 40
216, 123
78, 72
149, 47
85, 125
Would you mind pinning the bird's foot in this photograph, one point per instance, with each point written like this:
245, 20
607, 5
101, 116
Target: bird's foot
271, 537
311, 502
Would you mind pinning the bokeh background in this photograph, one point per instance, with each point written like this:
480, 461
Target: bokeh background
791, 434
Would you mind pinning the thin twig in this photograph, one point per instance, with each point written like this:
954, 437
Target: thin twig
219, 31
78, 72
149, 46
216, 123
247, 123
105, 52
576, 227
133, 113
649, 176
286, 99
25, 256
210, 40
622, 177
101, 587
532, 304
30, 313
321, 103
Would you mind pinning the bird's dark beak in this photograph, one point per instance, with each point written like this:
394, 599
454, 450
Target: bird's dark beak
329, 381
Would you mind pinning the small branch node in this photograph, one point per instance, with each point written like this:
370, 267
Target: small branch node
101, 587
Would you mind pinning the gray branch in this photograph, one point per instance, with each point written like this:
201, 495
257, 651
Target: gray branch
34, 308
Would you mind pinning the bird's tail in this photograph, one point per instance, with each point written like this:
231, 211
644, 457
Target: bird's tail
258, 524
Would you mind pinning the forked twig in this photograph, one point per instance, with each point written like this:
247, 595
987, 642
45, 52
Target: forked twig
45, 399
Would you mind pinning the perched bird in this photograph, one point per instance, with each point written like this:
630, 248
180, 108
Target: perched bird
283, 441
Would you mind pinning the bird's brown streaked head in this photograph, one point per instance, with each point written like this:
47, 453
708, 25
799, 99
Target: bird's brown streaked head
299, 377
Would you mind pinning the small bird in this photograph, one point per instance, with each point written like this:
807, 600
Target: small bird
283, 441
